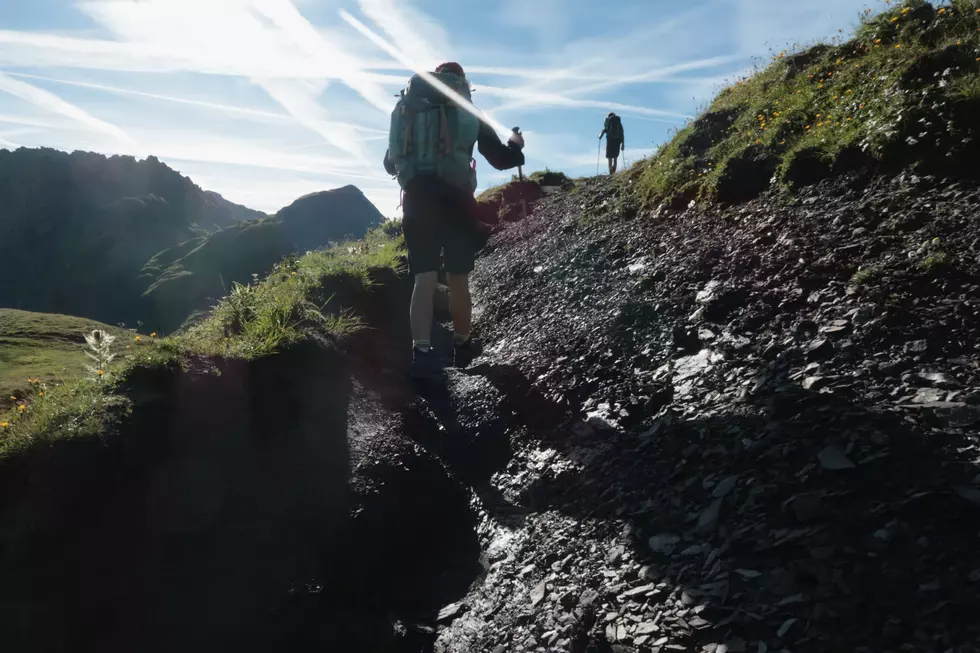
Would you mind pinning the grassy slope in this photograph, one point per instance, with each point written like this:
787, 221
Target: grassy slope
906, 87
43, 346
254, 320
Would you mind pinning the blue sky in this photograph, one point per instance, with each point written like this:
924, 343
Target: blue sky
266, 100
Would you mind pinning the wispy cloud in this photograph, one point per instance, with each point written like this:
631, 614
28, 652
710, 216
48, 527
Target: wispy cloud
417, 35
297, 29
49, 101
529, 99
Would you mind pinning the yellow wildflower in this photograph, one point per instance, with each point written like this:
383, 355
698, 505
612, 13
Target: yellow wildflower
13, 398
138, 338
292, 274
4, 425
153, 335
898, 46
41, 393
758, 142
21, 408
820, 86
942, 11
101, 372
895, 20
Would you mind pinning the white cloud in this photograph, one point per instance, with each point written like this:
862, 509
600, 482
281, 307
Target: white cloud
51, 102
528, 99
418, 36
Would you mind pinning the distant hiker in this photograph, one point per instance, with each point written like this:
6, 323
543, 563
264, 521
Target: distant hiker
430, 151
612, 128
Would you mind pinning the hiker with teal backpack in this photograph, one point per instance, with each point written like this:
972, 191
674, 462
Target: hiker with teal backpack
612, 128
430, 151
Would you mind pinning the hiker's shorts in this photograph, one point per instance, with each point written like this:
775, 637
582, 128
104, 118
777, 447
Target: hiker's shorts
612, 149
439, 230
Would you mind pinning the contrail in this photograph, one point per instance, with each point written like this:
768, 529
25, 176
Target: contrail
502, 131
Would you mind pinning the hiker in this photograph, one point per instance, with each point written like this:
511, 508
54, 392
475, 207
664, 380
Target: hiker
430, 151
612, 128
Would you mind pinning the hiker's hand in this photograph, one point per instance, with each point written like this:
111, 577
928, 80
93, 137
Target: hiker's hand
516, 140
622, 147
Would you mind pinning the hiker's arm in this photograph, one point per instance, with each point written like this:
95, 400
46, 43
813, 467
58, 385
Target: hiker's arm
389, 166
500, 156
602, 133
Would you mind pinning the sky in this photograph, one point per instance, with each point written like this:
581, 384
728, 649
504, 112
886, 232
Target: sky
264, 101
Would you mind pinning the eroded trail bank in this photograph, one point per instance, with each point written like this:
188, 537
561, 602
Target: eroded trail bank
749, 429
271, 504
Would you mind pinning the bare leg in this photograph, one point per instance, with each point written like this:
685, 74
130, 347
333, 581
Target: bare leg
420, 312
460, 305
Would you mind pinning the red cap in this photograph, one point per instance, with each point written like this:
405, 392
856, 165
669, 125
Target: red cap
450, 67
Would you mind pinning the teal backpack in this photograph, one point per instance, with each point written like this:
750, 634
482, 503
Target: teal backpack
431, 135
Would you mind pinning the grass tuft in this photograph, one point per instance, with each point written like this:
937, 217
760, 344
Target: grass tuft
905, 88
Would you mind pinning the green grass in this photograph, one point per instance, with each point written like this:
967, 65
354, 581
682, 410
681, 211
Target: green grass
42, 357
867, 275
42, 346
875, 94
47, 392
933, 261
293, 302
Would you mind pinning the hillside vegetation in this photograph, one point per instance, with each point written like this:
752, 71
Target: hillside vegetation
42, 346
905, 89
125, 241
304, 298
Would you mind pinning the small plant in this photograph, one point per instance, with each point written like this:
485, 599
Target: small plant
241, 305
867, 275
99, 345
933, 261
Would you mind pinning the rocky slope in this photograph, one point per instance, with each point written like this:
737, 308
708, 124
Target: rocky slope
759, 424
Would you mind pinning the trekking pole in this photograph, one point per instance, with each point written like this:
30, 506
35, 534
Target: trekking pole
598, 150
520, 176
520, 171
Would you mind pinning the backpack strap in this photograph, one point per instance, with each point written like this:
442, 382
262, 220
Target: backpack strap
409, 129
445, 138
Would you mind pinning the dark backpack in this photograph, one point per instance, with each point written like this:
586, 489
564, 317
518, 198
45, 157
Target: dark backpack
614, 128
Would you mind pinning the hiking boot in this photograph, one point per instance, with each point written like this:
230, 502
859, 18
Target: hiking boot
425, 366
467, 351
